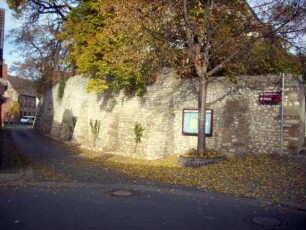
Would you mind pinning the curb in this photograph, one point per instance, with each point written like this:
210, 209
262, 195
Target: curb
28, 173
292, 205
7, 177
21, 173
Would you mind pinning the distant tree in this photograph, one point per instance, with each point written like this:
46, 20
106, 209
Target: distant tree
43, 55
33, 10
286, 17
36, 40
13, 109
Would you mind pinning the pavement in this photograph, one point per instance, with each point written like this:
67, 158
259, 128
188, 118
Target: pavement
73, 206
62, 190
54, 161
12, 166
15, 174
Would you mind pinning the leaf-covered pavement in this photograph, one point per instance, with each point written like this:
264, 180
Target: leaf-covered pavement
269, 177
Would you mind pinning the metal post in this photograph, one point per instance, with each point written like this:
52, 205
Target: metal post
282, 116
2, 21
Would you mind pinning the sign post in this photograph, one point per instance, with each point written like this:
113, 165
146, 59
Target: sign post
270, 97
282, 115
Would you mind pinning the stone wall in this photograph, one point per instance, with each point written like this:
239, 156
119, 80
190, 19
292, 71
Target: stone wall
240, 123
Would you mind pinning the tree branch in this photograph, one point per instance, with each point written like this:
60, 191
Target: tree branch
229, 58
210, 5
187, 24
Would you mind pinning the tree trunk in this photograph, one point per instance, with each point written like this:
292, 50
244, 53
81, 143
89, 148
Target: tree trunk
202, 109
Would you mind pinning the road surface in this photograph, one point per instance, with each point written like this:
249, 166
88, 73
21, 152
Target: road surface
67, 191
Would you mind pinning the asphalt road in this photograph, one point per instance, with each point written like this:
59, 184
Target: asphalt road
80, 195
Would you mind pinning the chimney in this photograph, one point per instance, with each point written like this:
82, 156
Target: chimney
4, 71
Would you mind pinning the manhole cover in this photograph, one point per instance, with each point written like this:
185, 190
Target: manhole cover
122, 193
266, 221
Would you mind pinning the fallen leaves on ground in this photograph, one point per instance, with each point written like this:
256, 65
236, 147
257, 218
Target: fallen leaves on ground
51, 173
270, 177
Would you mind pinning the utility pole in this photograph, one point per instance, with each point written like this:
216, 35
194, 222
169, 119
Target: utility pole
2, 21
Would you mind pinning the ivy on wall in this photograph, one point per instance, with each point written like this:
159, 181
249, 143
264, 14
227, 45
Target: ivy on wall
138, 130
61, 88
95, 129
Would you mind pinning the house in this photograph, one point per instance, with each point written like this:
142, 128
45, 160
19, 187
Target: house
3, 87
21, 99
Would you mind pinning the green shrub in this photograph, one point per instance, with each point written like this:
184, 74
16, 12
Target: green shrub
138, 130
95, 129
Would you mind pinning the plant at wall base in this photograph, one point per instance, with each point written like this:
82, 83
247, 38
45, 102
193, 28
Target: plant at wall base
138, 130
95, 129
210, 153
15, 108
74, 121
61, 88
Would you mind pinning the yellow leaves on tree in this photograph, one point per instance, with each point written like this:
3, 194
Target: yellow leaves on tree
105, 41
124, 43
96, 85
14, 108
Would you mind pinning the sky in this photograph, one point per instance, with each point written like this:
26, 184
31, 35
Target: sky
9, 52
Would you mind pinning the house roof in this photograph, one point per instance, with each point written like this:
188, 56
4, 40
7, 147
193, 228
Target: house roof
22, 86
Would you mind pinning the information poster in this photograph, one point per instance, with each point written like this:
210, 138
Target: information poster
190, 122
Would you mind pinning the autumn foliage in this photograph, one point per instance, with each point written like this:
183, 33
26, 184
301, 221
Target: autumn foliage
124, 43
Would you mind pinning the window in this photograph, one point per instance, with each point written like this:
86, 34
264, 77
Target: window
33, 103
190, 122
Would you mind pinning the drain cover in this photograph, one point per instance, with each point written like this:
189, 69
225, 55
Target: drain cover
266, 221
122, 193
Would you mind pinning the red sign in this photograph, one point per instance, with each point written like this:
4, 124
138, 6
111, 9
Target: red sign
270, 97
